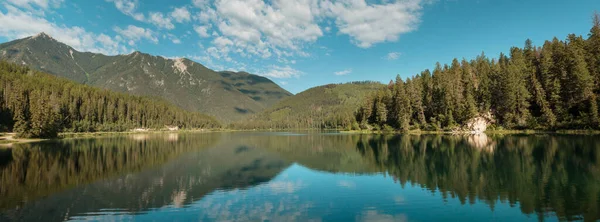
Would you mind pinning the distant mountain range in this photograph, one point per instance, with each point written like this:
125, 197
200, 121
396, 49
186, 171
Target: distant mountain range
229, 96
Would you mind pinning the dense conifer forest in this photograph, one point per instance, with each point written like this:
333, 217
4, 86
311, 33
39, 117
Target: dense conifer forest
555, 86
40, 105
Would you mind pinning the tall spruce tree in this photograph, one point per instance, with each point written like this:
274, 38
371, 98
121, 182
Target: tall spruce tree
402, 108
469, 80
579, 84
483, 71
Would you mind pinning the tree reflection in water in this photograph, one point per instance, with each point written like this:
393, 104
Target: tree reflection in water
133, 174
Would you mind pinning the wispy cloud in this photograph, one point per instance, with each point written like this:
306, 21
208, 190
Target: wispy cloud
393, 55
343, 72
281, 72
134, 34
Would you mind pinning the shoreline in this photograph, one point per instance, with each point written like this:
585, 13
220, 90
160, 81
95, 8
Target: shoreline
488, 132
7, 140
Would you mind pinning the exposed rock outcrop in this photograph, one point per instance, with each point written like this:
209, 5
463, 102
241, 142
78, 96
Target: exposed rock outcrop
479, 123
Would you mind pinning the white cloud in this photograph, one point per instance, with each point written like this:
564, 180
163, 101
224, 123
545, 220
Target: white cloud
128, 7
286, 27
343, 72
207, 15
44, 4
283, 83
259, 28
19, 24
222, 42
202, 31
161, 21
174, 38
392, 56
135, 33
181, 14
201, 3
369, 24
281, 72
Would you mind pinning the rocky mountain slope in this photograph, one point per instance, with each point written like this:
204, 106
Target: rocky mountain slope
229, 96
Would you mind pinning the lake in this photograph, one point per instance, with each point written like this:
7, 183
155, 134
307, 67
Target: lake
303, 176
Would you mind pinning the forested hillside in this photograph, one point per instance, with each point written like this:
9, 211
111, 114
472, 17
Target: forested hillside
228, 96
555, 86
35, 104
330, 106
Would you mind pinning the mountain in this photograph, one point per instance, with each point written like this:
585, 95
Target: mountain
229, 96
328, 106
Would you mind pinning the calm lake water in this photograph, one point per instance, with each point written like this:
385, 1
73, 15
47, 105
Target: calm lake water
302, 177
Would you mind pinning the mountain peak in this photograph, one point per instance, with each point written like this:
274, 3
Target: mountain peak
41, 35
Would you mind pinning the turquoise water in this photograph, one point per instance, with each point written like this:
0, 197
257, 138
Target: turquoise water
302, 177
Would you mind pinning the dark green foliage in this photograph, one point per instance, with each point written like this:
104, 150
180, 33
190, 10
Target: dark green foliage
40, 105
331, 106
32, 171
552, 87
537, 174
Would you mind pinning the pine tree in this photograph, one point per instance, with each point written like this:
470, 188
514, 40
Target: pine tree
469, 80
579, 83
520, 72
455, 88
380, 113
482, 66
44, 119
415, 93
402, 106
428, 91
593, 57
593, 51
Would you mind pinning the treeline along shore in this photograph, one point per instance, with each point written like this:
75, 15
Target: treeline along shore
40, 105
555, 86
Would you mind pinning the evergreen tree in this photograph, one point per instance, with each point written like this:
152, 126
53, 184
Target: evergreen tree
483, 71
415, 93
402, 107
469, 80
593, 51
579, 95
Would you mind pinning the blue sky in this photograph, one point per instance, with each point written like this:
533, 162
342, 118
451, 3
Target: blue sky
301, 43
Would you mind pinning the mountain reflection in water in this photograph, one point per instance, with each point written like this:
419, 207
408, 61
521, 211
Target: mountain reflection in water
302, 176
